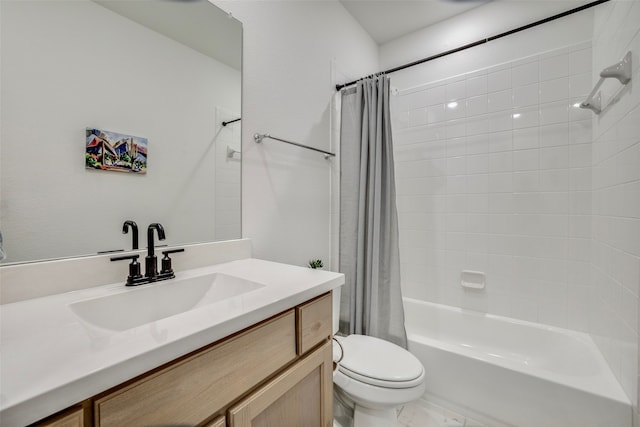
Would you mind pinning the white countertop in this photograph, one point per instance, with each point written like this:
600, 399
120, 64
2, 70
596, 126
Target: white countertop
50, 359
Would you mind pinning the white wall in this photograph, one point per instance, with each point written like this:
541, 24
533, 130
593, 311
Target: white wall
615, 255
289, 48
228, 216
71, 65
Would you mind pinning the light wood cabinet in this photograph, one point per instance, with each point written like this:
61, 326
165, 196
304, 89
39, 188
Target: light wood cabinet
218, 422
73, 417
299, 396
189, 391
274, 374
315, 322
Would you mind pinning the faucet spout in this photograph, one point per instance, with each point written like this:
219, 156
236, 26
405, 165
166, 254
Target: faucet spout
151, 261
134, 231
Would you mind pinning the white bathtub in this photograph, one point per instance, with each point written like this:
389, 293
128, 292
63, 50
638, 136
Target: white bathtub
511, 372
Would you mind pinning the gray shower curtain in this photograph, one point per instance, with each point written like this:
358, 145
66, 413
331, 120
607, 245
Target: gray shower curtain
371, 302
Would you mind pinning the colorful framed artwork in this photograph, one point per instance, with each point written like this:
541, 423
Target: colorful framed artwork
112, 151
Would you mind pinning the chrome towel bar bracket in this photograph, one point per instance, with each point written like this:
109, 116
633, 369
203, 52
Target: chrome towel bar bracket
620, 70
258, 137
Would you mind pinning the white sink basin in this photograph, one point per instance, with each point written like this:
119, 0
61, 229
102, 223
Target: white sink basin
148, 303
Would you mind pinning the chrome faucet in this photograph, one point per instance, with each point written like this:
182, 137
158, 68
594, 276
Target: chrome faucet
151, 261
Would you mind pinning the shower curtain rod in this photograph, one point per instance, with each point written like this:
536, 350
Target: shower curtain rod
480, 42
231, 121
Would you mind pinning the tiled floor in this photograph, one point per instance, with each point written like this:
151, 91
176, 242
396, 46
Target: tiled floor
424, 414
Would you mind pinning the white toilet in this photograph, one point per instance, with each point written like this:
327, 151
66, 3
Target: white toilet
374, 376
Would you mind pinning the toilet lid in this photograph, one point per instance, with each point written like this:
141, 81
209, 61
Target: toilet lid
378, 362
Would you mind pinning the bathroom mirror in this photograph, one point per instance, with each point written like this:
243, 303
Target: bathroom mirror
167, 71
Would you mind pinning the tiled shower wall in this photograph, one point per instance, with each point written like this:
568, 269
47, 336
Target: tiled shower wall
493, 174
615, 256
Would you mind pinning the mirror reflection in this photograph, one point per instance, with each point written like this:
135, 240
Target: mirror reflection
163, 71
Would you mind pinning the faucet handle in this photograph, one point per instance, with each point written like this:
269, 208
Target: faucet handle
135, 277
166, 262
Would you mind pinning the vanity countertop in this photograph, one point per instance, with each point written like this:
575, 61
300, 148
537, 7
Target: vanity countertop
50, 359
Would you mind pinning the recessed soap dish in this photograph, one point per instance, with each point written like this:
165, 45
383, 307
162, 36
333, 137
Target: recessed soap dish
472, 279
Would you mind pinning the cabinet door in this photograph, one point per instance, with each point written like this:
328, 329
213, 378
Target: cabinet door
71, 418
299, 396
218, 422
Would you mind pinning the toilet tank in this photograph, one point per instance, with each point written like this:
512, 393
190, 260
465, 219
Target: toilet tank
336, 309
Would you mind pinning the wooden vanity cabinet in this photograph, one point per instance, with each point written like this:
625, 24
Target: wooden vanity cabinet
72, 417
218, 422
299, 396
276, 373
189, 391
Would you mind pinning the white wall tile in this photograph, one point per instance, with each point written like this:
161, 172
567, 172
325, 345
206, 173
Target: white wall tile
456, 110
614, 164
493, 187
456, 147
554, 135
477, 164
477, 125
553, 180
501, 162
455, 128
456, 165
554, 112
580, 61
500, 121
499, 80
580, 155
554, 67
477, 105
579, 85
500, 182
524, 160
478, 203
555, 90
525, 96
580, 132
525, 74
435, 95
477, 143
499, 101
580, 178
525, 117
455, 91
417, 117
436, 113
526, 181
526, 138
554, 157
477, 86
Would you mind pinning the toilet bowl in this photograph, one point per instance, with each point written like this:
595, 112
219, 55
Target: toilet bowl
374, 377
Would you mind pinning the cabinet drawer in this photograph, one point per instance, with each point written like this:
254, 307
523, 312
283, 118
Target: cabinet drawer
189, 391
314, 322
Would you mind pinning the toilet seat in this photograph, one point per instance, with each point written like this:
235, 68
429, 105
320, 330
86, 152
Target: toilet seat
379, 363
